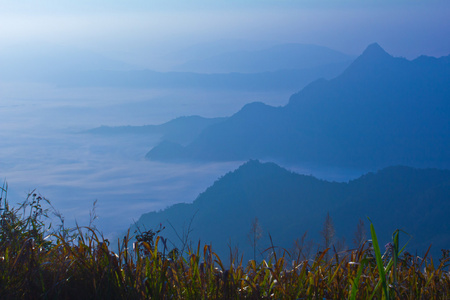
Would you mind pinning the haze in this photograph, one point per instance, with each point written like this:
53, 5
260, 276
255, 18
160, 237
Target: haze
43, 118
144, 32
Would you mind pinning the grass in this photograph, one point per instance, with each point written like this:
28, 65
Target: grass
38, 261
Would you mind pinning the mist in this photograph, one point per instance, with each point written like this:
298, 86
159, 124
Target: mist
45, 148
149, 34
44, 141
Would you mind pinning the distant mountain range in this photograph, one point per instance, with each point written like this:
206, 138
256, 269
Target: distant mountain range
290, 80
278, 57
288, 205
181, 130
380, 111
281, 67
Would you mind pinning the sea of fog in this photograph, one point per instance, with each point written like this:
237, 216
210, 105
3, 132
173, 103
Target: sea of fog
44, 149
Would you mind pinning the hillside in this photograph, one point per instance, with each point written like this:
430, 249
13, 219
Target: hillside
380, 111
288, 205
263, 70
289, 80
274, 58
180, 130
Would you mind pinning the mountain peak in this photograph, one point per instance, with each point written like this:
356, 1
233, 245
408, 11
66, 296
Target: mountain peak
374, 57
375, 51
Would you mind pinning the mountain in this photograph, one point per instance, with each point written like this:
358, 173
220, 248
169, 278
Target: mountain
203, 50
274, 58
290, 80
180, 130
288, 204
72, 67
380, 111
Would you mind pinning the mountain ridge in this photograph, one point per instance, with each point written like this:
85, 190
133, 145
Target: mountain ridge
276, 57
180, 130
288, 204
381, 110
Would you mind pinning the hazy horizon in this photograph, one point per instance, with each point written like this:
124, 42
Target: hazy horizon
152, 34
41, 121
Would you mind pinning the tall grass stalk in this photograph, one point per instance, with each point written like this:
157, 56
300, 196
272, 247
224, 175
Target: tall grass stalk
81, 265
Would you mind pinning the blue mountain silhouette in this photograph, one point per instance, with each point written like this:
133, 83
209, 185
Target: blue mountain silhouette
381, 110
289, 204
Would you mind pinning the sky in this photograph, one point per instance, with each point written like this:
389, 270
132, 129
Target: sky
142, 32
151, 34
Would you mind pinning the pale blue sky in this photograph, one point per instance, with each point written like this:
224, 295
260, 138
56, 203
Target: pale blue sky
140, 31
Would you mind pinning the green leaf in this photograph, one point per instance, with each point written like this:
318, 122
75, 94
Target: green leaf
355, 282
376, 248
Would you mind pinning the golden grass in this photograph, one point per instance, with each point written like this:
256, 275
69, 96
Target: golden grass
43, 263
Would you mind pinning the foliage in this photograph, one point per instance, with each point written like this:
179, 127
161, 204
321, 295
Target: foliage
288, 205
39, 262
